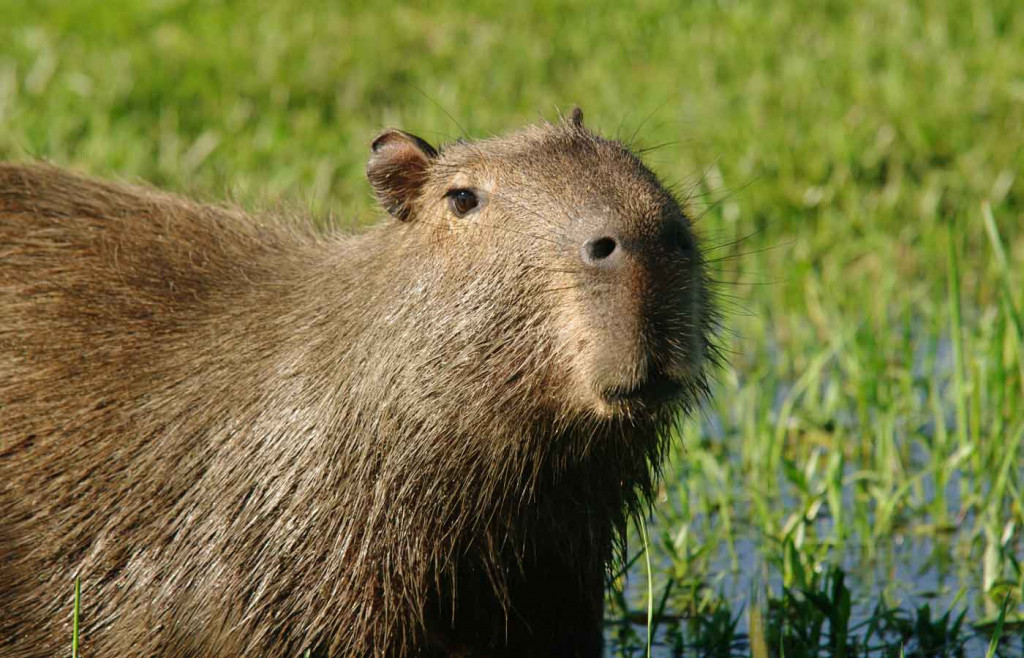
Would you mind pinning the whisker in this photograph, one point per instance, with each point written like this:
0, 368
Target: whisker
651, 149
659, 108
554, 269
719, 282
740, 254
442, 108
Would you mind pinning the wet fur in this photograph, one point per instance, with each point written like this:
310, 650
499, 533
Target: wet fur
252, 438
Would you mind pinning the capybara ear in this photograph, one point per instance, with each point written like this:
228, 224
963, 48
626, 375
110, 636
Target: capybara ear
576, 116
397, 169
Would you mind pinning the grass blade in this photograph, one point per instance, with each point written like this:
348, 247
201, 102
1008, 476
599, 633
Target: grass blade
650, 582
74, 617
956, 332
1005, 284
993, 643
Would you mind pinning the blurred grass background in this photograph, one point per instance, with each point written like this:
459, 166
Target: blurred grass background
842, 157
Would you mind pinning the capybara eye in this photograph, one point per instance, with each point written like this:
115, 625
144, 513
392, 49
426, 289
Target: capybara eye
462, 202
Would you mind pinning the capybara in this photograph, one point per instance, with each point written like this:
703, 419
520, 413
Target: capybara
248, 436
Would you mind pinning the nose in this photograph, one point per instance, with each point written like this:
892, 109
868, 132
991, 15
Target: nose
601, 252
610, 251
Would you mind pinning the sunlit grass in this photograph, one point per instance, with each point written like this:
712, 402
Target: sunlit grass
75, 612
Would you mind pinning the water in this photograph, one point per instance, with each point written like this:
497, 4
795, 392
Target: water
936, 563
907, 572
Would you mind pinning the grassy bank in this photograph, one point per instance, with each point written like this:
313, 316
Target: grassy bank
858, 172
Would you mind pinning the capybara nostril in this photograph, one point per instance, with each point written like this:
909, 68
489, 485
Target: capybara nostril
681, 240
598, 251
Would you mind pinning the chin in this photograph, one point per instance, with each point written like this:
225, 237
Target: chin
650, 396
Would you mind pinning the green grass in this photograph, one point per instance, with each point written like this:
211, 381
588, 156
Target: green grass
858, 171
75, 612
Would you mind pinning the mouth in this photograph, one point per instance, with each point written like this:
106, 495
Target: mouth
653, 391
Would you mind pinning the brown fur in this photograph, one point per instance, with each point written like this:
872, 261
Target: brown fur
251, 438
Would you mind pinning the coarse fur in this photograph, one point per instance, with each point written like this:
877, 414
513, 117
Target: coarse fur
250, 437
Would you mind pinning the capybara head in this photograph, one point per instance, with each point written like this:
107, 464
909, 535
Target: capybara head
578, 238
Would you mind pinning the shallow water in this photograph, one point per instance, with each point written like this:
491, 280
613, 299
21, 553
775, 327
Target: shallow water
921, 563
908, 572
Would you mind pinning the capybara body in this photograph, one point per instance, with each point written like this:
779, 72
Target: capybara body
250, 437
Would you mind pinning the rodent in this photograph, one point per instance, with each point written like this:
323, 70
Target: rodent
251, 437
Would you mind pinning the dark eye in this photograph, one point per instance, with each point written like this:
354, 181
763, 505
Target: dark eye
462, 201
